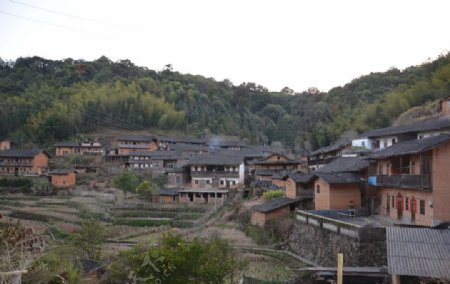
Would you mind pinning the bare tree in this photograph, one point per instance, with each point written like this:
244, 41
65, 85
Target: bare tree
19, 246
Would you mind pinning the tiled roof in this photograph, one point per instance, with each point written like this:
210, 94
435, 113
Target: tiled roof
215, 159
273, 204
190, 140
301, 177
66, 144
131, 146
21, 153
340, 177
330, 148
422, 126
345, 164
265, 172
418, 252
61, 171
168, 192
181, 147
411, 146
144, 138
217, 142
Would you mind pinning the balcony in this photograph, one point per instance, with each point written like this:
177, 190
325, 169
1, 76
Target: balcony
214, 174
401, 181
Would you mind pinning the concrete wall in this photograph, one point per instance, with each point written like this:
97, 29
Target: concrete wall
365, 143
322, 246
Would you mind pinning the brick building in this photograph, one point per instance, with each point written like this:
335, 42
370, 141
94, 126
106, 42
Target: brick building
63, 178
23, 162
412, 180
271, 210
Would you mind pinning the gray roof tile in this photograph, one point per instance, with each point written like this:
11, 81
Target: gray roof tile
411, 147
418, 252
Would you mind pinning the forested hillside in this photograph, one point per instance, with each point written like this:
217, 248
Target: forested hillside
44, 101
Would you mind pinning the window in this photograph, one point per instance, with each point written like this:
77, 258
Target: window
406, 203
363, 144
317, 188
394, 140
393, 201
208, 181
222, 182
380, 169
385, 144
422, 207
196, 181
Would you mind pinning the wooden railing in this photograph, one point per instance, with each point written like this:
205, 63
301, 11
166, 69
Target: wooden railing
404, 181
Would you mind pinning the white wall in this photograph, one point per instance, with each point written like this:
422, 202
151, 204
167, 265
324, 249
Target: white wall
363, 143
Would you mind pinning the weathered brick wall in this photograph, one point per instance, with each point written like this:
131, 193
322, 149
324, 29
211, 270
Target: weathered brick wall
322, 246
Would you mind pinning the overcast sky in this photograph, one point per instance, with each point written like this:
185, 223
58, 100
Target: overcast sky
299, 44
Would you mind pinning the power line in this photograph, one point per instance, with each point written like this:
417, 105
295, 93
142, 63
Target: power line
55, 25
71, 15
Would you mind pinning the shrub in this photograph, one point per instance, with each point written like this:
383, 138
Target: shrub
274, 194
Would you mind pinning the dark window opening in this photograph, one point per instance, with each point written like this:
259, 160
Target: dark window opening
422, 207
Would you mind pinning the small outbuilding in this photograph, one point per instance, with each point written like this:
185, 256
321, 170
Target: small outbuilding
272, 209
63, 178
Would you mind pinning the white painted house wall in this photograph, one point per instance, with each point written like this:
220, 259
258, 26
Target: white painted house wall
363, 143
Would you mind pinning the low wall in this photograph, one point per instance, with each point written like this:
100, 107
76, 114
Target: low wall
320, 239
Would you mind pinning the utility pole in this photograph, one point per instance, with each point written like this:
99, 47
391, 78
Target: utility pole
340, 265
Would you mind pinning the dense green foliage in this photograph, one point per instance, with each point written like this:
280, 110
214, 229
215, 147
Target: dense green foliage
127, 182
176, 260
44, 101
274, 194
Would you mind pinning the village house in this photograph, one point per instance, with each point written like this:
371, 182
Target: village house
63, 178
325, 155
177, 177
222, 143
382, 138
299, 185
264, 169
126, 144
412, 180
203, 196
153, 161
5, 144
23, 162
337, 191
168, 196
271, 210
165, 142
216, 171
81, 148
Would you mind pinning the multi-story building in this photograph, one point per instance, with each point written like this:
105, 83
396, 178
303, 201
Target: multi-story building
23, 162
412, 180
78, 148
216, 171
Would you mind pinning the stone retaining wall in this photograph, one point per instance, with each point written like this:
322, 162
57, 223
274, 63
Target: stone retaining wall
322, 245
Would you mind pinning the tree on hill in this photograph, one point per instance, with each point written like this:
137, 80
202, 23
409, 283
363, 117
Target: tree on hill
176, 260
127, 182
